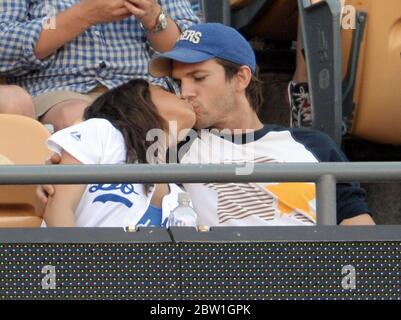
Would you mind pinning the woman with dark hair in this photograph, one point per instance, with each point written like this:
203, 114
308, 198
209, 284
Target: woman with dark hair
114, 131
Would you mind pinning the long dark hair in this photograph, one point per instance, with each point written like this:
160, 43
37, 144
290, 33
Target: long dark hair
130, 109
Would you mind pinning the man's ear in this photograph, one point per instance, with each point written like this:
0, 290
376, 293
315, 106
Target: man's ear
244, 77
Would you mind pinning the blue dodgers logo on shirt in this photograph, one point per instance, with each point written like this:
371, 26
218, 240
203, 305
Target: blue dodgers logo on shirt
152, 218
127, 189
76, 135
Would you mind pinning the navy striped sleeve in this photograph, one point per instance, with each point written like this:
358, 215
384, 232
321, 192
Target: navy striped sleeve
350, 196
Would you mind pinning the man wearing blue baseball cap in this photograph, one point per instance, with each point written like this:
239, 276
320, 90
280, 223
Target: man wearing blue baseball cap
204, 42
206, 56
215, 68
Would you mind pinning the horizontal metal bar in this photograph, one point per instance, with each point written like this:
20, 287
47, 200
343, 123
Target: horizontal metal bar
190, 235
145, 173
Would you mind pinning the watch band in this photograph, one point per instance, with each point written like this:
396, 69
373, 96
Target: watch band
161, 23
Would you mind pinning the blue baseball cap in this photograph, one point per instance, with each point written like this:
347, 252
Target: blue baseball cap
203, 42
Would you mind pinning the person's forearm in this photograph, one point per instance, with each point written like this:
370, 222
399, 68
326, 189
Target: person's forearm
360, 220
69, 24
59, 216
166, 39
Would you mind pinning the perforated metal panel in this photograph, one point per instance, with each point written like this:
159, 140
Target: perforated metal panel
296, 270
225, 263
90, 271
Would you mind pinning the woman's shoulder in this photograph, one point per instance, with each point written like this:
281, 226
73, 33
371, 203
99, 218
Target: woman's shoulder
101, 122
100, 126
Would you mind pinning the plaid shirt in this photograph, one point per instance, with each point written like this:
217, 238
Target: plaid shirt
108, 54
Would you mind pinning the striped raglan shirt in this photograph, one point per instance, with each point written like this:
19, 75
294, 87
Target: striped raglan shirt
258, 204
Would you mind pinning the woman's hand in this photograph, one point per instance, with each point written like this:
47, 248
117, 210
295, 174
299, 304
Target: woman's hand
45, 191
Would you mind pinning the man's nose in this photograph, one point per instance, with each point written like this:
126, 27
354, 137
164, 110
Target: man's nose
187, 90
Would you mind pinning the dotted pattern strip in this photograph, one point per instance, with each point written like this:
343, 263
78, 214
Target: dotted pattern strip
281, 270
90, 271
284, 270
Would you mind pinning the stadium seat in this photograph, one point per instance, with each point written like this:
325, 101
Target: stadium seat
22, 141
377, 96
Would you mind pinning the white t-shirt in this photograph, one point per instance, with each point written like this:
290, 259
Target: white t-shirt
97, 141
251, 204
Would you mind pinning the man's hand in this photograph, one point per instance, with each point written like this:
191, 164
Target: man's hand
43, 192
102, 11
146, 11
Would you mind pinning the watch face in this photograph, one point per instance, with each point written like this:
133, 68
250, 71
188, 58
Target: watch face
163, 21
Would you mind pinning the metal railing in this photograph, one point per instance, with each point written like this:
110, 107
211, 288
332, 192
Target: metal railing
325, 175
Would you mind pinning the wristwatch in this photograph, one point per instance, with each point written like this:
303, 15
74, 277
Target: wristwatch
161, 24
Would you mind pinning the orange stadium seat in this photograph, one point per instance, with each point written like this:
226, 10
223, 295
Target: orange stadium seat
377, 94
377, 97
22, 141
